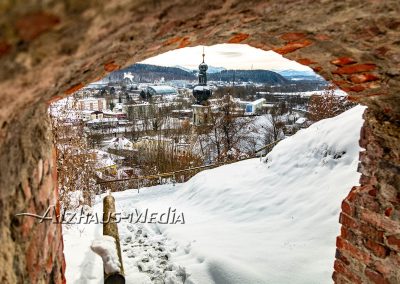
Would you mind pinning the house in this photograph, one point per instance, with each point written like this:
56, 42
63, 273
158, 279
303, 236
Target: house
94, 104
114, 114
252, 108
120, 143
137, 111
161, 90
86, 115
102, 123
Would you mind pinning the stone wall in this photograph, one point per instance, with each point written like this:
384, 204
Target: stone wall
30, 252
369, 244
49, 49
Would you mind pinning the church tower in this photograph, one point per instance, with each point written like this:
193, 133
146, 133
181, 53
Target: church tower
203, 72
202, 92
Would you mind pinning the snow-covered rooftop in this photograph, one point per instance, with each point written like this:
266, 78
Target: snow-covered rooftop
162, 89
201, 88
301, 120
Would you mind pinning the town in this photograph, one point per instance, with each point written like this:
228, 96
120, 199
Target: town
136, 123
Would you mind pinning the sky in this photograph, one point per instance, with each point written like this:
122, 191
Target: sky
229, 56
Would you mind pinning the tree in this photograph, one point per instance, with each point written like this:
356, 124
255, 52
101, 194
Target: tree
326, 105
112, 105
227, 130
75, 160
273, 129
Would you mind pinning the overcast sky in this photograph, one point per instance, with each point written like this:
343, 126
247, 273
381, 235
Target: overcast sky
229, 56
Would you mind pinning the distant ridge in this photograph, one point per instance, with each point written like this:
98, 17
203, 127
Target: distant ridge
151, 73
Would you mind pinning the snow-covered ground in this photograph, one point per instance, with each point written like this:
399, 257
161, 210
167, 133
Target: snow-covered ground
336, 92
271, 221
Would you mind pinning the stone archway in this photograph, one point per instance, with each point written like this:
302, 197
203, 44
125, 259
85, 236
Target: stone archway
51, 49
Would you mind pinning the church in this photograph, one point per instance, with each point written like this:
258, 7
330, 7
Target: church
202, 92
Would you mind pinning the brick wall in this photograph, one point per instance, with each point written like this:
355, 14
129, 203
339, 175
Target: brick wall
50, 49
369, 243
30, 252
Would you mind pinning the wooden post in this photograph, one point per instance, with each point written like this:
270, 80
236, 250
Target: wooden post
110, 228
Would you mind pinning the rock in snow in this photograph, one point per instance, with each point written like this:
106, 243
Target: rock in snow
270, 221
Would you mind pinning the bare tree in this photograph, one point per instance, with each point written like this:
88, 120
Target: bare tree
326, 105
227, 129
272, 131
75, 161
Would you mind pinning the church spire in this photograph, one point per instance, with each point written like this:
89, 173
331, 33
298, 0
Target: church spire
201, 91
203, 71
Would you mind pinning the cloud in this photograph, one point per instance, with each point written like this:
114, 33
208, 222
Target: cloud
229, 54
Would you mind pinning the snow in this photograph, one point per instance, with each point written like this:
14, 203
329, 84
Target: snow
103, 120
119, 143
105, 247
201, 88
336, 92
163, 89
270, 221
301, 120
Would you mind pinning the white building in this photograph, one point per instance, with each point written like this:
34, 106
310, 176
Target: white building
161, 90
86, 115
97, 104
252, 107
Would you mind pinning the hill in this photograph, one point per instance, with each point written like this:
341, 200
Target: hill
273, 221
151, 73
255, 76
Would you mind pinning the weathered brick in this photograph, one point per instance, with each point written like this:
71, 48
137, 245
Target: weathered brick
375, 276
367, 200
380, 221
343, 61
111, 66
362, 78
349, 234
4, 48
371, 232
355, 68
347, 208
30, 26
344, 270
394, 242
339, 278
293, 36
377, 249
293, 46
184, 42
355, 88
306, 61
388, 211
74, 88
347, 221
238, 38
322, 37
352, 250
341, 257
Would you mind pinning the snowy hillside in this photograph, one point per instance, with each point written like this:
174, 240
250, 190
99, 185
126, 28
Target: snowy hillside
273, 221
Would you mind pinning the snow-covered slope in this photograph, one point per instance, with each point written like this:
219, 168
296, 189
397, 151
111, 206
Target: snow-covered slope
255, 221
